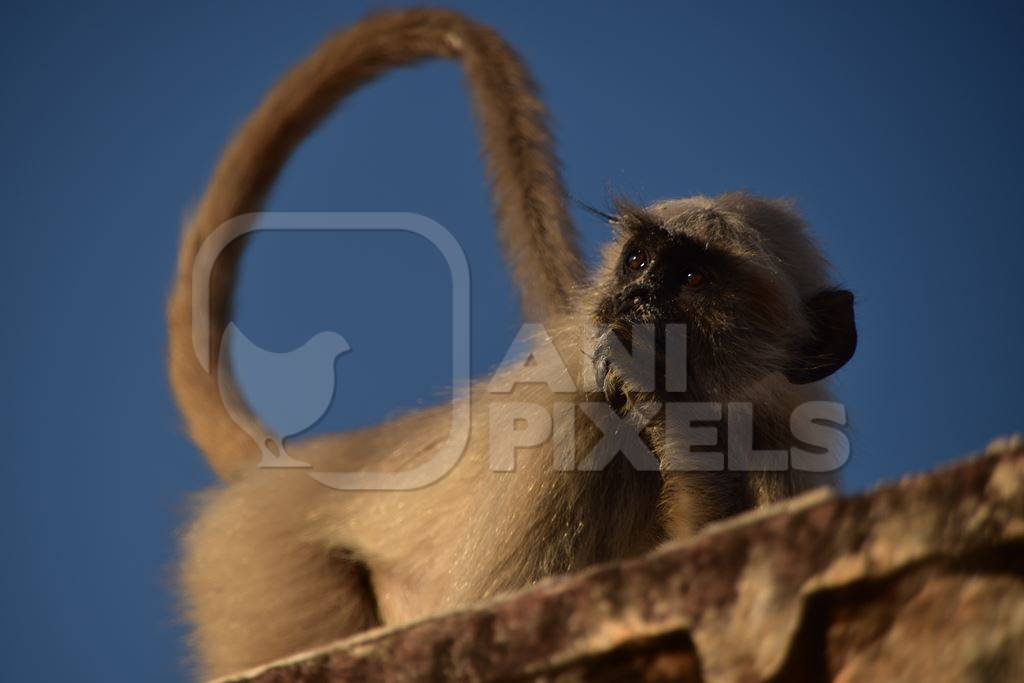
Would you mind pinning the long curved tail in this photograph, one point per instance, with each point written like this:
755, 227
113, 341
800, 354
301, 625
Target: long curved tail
534, 225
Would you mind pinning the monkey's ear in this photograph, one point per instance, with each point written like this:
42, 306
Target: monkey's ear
833, 337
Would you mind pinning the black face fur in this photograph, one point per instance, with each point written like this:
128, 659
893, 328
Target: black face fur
743, 317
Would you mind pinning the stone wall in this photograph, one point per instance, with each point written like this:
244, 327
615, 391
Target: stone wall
918, 581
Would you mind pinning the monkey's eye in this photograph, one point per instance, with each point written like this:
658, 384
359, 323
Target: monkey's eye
695, 279
637, 259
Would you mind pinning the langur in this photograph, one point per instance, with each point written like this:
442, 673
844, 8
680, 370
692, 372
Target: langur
275, 562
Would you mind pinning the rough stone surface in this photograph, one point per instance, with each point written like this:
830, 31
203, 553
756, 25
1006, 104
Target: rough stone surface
918, 581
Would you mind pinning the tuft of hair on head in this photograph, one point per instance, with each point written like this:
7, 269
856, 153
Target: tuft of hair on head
631, 215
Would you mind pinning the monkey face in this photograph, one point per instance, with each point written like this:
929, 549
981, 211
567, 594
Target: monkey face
712, 275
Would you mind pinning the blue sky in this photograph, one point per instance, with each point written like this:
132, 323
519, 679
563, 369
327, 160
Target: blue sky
897, 129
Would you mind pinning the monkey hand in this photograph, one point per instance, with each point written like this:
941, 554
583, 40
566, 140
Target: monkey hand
610, 380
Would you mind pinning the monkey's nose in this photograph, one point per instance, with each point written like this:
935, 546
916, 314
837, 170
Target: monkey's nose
633, 300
